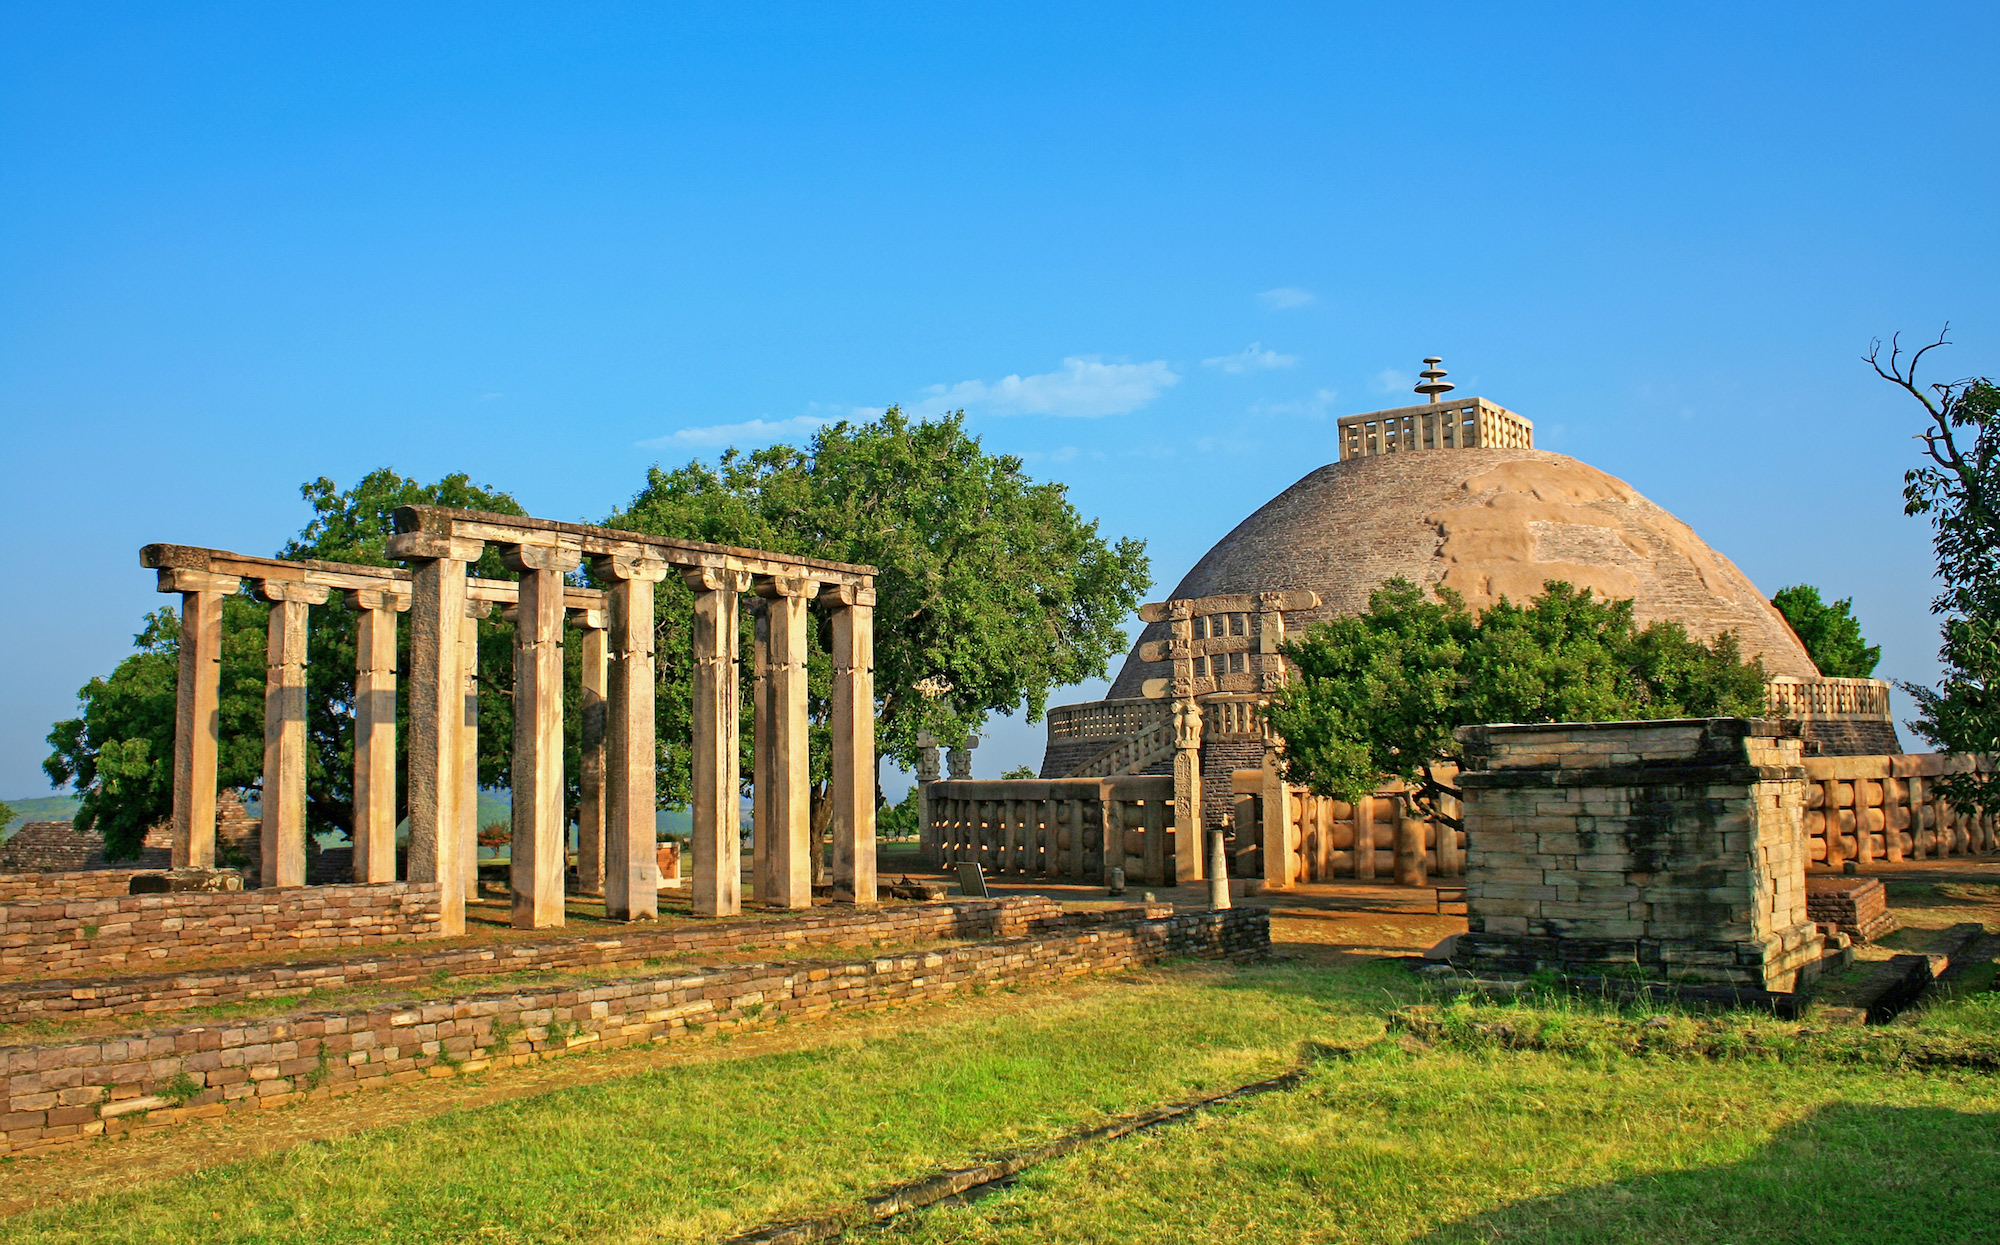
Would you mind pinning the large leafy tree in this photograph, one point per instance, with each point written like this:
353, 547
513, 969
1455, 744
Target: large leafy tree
992, 590
1379, 694
1831, 633
118, 752
1958, 490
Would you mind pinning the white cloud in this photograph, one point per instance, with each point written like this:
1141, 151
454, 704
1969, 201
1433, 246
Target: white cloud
752, 432
1315, 407
1252, 358
1287, 297
1083, 387
1389, 380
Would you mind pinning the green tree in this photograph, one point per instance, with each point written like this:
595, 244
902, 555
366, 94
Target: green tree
1958, 490
1379, 694
7, 814
118, 753
1831, 633
992, 590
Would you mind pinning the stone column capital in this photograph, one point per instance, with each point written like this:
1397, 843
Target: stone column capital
715, 579
589, 620
431, 547
785, 586
377, 599
846, 596
540, 558
291, 590
642, 567
180, 579
478, 609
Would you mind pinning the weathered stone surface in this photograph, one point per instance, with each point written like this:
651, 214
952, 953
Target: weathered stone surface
175, 881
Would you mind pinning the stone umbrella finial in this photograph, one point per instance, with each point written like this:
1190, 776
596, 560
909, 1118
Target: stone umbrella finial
1434, 385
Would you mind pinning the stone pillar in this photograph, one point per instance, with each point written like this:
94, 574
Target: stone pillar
960, 758
468, 745
789, 815
282, 841
927, 773
761, 782
1277, 818
374, 829
437, 613
718, 834
197, 724
539, 823
590, 779
1188, 835
631, 869
853, 786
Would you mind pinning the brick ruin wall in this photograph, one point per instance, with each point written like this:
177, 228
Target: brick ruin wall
60, 1095
63, 935
1010, 917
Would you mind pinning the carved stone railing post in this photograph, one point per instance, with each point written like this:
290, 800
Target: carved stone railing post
852, 788
197, 711
437, 614
283, 837
539, 824
788, 815
590, 775
631, 869
718, 833
374, 829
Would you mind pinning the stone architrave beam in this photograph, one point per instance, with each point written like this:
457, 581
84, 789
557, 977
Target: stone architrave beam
197, 711
852, 788
590, 777
374, 829
631, 870
789, 816
717, 880
437, 614
282, 839
539, 824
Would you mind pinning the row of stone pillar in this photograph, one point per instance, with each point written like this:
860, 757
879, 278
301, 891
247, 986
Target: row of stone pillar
617, 780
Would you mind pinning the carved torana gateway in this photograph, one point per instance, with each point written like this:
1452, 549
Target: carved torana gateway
616, 834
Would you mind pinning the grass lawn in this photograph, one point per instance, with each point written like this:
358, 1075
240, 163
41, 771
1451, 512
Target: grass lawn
1520, 1122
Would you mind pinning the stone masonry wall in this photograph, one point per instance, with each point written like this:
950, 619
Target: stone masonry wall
61, 1095
92, 884
56, 936
1677, 847
1009, 917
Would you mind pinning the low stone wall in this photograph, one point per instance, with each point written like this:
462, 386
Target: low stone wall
1009, 917
53, 887
1858, 907
1674, 847
61, 1095
69, 935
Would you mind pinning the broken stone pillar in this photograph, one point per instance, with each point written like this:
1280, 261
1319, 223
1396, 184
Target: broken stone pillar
283, 838
960, 758
1280, 837
374, 829
468, 746
631, 871
927, 773
590, 776
1675, 849
539, 824
436, 789
789, 815
718, 834
852, 788
197, 698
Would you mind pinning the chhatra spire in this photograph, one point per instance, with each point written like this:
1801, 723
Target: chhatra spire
1434, 383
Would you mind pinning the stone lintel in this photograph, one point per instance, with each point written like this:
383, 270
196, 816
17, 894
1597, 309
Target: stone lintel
1230, 603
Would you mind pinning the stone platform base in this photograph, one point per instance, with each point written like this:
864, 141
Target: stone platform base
1784, 962
1859, 907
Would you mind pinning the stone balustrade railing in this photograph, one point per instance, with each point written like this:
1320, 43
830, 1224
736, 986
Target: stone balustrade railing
1107, 719
1320, 845
1058, 828
1887, 808
1788, 697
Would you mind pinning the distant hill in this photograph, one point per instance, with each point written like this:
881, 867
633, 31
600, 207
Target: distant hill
41, 808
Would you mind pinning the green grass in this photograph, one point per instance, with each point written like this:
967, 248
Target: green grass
1561, 1129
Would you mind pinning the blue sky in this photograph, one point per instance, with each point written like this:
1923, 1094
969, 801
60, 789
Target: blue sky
1154, 249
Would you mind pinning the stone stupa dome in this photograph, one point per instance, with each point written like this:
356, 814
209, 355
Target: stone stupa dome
1489, 521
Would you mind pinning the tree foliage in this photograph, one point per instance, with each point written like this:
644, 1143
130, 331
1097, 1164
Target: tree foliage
1831, 633
1958, 490
118, 753
1379, 694
992, 589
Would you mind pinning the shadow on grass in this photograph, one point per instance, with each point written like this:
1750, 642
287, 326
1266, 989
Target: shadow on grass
1846, 1173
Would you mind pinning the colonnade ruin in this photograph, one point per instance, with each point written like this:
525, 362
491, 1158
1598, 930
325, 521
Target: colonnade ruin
617, 780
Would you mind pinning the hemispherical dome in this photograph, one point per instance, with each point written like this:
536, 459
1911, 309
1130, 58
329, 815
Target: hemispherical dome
1488, 523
